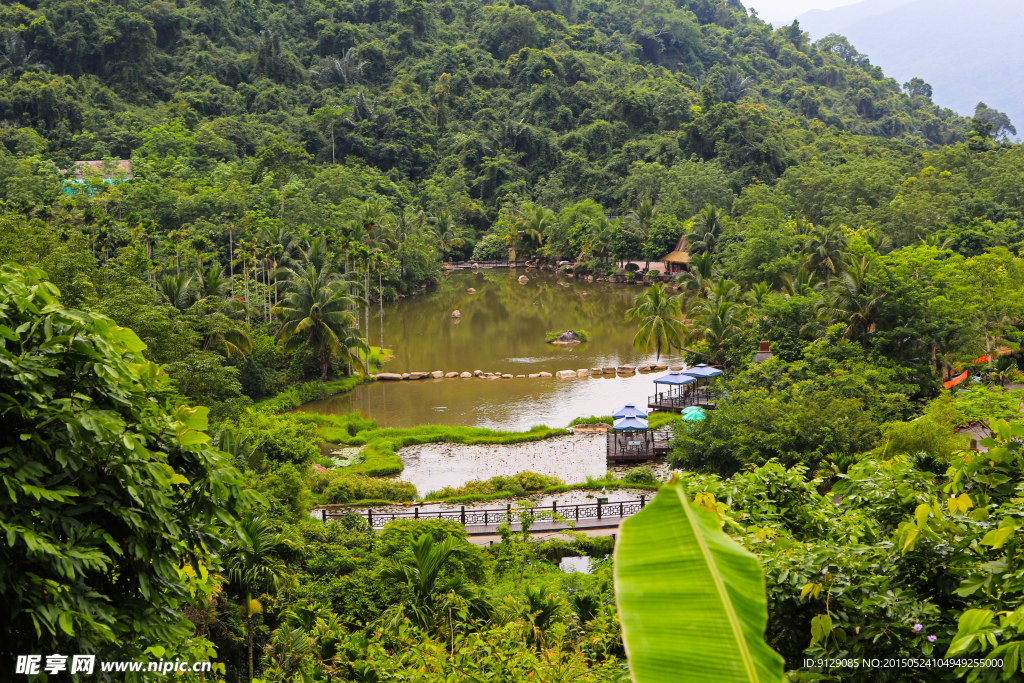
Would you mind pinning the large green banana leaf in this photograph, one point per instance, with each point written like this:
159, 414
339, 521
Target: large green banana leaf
691, 601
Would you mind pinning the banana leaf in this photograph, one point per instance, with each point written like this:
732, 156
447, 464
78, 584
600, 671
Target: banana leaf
691, 601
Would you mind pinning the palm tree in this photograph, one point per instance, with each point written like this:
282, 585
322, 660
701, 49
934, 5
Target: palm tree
735, 84
601, 239
446, 231
853, 299
17, 58
345, 70
1005, 370
255, 567
708, 226
643, 217
826, 246
660, 325
427, 592
935, 240
316, 310
175, 290
369, 222
399, 227
804, 283
211, 282
719, 322
534, 220
702, 270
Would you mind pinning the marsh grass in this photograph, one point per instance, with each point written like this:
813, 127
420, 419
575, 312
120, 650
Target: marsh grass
379, 446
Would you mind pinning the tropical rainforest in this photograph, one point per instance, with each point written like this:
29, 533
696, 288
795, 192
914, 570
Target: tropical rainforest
202, 201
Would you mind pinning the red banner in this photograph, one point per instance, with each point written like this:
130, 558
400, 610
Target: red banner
956, 380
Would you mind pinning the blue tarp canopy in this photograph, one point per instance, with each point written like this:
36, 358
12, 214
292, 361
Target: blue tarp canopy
630, 424
702, 371
674, 377
629, 410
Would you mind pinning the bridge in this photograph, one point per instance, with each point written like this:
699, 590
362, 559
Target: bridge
595, 519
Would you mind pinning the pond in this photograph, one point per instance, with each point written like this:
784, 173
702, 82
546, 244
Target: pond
502, 329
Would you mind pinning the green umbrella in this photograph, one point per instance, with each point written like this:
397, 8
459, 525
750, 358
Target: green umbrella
693, 414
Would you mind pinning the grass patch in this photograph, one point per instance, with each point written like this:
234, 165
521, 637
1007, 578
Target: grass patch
378, 356
295, 396
496, 487
582, 335
379, 446
654, 420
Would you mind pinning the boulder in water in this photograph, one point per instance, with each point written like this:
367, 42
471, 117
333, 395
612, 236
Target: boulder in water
523, 279
567, 337
456, 314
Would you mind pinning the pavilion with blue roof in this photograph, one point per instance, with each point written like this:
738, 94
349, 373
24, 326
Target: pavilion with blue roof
681, 389
631, 438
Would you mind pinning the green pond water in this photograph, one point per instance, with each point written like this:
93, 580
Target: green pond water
502, 330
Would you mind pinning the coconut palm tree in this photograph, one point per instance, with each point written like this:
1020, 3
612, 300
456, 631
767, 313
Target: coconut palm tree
642, 219
803, 283
316, 310
697, 280
826, 247
661, 327
708, 226
254, 564
853, 299
447, 232
719, 323
534, 220
175, 290
601, 239
399, 227
211, 283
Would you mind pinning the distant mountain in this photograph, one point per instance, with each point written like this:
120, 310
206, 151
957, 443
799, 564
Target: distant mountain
968, 52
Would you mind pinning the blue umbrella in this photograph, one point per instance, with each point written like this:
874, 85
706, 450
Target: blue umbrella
702, 371
629, 410
674, 378
694, 414
630, 424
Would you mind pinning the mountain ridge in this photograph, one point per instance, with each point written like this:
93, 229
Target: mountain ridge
965, 56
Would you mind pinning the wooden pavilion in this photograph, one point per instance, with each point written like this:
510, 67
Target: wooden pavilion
681, 389
631, 438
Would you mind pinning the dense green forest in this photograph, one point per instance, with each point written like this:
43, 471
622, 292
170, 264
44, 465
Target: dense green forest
294, 164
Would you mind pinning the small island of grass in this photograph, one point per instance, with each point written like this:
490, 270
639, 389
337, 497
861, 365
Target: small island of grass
567, 337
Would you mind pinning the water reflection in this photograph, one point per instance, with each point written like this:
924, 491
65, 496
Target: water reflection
575, 564
502, 330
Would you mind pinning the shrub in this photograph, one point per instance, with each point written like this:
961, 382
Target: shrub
352, 487
640, 475
296, 395
281, 438
490, 248
284, 485
925, 435
513, 485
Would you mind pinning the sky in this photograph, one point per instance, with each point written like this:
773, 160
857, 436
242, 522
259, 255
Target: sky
787, 10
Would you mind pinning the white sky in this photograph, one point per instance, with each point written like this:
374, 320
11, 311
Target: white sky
779, 10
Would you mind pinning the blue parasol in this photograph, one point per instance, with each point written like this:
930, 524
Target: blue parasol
630, 424
629, 410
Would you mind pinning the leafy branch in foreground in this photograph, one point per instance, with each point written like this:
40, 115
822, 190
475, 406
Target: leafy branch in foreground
690, 599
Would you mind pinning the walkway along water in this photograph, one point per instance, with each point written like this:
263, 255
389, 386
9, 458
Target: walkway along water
601, 514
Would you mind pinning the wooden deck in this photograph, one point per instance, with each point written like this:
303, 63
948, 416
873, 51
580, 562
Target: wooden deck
676, 404
619, 450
